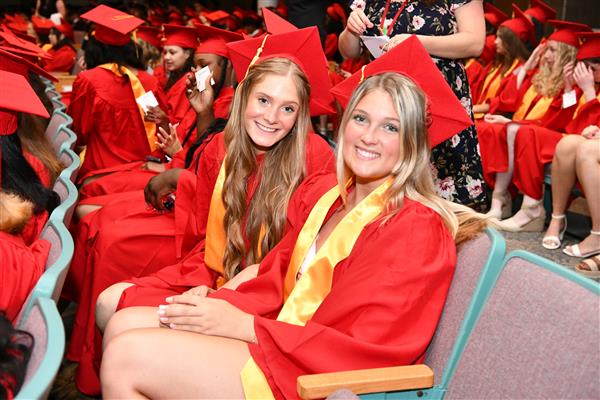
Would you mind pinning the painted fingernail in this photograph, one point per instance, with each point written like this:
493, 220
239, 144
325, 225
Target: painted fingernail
172, 326
164, 319
162, 312
169, 299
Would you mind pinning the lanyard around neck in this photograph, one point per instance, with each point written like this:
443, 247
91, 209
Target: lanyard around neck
388, 29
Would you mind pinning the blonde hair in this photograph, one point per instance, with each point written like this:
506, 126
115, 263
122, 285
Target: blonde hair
282, 170
15, 212
412, 176
548, 81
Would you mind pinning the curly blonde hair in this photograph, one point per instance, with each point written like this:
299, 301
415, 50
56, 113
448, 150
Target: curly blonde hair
548, 81
412, 174
282, 170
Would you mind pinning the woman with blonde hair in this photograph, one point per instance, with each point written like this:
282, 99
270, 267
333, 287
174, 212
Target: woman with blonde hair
234, 213
342, 296
537, 97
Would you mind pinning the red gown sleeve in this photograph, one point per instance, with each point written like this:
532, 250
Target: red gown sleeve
22, 266
588, 115
508, 97
319, 156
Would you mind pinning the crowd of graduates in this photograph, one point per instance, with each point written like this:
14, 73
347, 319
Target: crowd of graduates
229, 161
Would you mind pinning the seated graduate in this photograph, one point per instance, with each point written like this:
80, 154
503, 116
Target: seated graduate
15, 351
245, 178
360, 279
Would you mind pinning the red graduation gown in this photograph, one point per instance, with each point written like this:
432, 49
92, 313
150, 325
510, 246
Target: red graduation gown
144, 241
106, 118
535, 145
22, 266
63, 61
383, 307
131, 176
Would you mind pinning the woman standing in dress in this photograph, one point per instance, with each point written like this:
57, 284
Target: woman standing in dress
450, 30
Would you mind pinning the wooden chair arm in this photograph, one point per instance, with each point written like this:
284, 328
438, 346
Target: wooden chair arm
408, 377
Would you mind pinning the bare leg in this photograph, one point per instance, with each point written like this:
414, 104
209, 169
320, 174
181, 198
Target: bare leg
84, 209
588, 171
107, 302
503, 178
563, 179
163, 363
128, 319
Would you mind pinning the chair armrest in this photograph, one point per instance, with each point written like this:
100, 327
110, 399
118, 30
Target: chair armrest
408, 377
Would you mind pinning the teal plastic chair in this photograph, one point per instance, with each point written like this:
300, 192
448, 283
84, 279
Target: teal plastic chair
58, 105
64, 138
475, 260
68, 195
534, 334
58, 119
47, 328
51, 282
71, 162
51, 92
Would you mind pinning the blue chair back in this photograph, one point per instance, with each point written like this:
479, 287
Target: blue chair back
534, 334
64, 138
57, 120
46, 326
71, 162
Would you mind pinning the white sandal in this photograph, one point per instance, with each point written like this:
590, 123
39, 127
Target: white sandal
574, 250
554, 242
589, 267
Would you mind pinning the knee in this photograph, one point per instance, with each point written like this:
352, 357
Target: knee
106, 304
588, 150
118, 358
567, 146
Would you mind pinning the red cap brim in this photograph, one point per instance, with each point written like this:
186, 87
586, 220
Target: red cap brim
409, 58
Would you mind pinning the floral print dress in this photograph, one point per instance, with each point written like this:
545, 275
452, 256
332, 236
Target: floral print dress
456, 162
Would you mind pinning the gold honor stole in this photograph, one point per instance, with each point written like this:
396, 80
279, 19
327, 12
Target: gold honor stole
215, 242
491, 84
138, 90
533, 106
303, 298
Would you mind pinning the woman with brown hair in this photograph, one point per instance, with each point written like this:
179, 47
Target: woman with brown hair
246, 176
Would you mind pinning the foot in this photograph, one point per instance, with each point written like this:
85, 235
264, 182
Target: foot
529, 219
553, 237
586, 248
589, 267
501, 205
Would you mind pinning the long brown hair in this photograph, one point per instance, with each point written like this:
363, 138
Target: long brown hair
514, 47
412, 174
280, 173
31, 132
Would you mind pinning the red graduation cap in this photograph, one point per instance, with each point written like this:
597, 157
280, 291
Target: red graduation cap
41, 25
590, 47
17, 96
540, 11
22, 35
303, 47
494, 15
182, 36
65, 28
113, 27
275, 24
223, 18
336, 12
14, 41
214, 40
26, 54
149, 34
520, 25
13, 63
409, 58
566, 31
